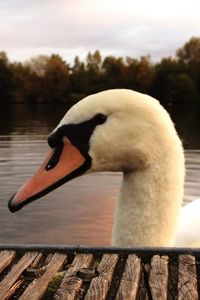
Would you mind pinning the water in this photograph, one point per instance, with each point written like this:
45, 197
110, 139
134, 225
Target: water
79, 212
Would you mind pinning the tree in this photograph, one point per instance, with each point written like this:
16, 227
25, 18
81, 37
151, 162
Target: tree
190, 52
27, 84
163, 72
171, 82
94, 62
181, 87
143, 75
50, 79
78, 79
93, 72
56, 80
38, 64
114, 72
189, 57
6, 78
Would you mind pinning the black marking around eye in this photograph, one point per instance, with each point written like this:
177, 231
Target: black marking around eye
56, 156
78, 134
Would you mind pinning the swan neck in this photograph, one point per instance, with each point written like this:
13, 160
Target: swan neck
147, 209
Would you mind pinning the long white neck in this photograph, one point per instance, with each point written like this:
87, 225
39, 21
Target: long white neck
148, 205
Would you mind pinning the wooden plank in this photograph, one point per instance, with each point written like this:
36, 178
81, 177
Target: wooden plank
15, 272
187, 279
38, 287
143, 290
26, 274
13, 289
158, 277
72, 283
36, 262
173, 278
6, 257
130, 279
100, 285
48, 259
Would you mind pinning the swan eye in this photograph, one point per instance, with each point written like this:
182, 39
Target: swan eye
100, 118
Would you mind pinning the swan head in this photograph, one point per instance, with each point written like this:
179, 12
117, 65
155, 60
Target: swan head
114, 130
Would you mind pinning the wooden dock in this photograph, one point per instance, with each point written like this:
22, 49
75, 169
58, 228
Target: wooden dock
59, 272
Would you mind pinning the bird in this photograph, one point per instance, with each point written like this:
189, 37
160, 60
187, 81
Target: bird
127, 131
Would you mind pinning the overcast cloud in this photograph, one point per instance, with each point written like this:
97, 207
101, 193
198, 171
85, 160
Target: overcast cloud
122, 28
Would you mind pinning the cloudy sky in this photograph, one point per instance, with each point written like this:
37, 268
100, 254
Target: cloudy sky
115, 27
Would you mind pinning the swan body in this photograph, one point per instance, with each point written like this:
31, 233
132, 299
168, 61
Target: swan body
187, 234
120, 130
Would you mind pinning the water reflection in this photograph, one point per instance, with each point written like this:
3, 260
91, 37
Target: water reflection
186, 116
38, 119
41, 119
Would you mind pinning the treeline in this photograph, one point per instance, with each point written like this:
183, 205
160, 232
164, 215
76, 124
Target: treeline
51, 79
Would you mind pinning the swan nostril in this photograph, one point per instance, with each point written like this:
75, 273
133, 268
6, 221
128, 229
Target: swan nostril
49, 167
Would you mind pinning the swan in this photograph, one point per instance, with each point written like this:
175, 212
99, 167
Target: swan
120, 130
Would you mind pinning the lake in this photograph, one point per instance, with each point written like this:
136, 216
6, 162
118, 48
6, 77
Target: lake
79, 212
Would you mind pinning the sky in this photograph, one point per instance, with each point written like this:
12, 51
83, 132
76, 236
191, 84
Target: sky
115, 27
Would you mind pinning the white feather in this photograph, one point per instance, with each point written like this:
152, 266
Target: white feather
188, 231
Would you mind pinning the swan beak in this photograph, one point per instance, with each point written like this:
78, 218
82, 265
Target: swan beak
60, 166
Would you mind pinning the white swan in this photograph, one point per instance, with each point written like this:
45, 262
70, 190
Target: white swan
120, 130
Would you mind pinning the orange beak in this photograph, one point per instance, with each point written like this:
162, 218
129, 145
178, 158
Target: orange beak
69, 164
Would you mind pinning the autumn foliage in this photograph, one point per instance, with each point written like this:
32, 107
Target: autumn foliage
51, 79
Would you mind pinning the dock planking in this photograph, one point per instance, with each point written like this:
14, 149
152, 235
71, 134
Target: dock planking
61, 272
